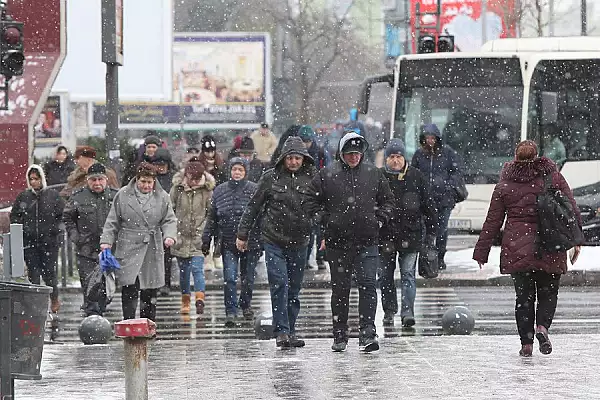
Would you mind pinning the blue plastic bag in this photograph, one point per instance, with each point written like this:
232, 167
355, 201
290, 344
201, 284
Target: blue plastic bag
108, 262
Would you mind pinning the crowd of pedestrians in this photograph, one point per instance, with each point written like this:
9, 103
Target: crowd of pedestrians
283, 198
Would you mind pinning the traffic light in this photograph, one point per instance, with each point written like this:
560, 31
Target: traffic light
445, 44
426, 44
12, 58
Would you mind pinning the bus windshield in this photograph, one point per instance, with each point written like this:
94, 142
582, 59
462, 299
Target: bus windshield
479, 116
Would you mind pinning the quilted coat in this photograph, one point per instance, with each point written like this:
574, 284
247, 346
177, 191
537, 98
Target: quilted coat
514, 198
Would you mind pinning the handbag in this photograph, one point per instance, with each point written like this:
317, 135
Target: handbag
460, 190
428, 262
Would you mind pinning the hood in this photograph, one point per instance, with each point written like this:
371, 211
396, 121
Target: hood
41, 173
294, 144
239, 160
527, 171
428, 130
346, 138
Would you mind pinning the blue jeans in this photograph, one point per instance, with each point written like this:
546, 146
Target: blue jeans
389, 296
442, 230
315, 234
247, 261
285, 268
363, 262
194, 266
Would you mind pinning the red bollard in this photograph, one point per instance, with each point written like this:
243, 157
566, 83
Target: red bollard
136, 333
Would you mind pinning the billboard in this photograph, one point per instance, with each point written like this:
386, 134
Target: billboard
219, 81
464, 20
53, 126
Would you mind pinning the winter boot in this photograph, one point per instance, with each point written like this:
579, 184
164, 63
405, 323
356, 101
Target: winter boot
368, 343
283, 341
248, 314
541, 333
526, 350
388, 318
408, 321
185, 303
199, 303
340, 341
296, 342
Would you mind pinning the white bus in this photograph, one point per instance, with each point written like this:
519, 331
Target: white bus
545, 89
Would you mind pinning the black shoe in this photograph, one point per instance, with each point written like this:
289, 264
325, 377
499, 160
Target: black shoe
368, 344
295, 342
164, 291
541, 334
321, 264
248, 314
340, 341
408, 321
388, 318
230, 321
441, 264
283, 341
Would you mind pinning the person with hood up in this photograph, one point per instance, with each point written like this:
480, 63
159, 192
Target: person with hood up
322, 159
191, 201
84, 218
355, 201
291, 131
85, 157
58, 170
229, 201
442, 167
401, 239
40, 209
533, 273
140, 224
285, 231
255, 166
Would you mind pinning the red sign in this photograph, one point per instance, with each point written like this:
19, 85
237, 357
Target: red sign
45, 50
464, 20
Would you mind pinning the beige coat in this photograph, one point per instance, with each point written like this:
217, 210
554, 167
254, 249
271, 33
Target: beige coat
264, 146
191, 208
137, 234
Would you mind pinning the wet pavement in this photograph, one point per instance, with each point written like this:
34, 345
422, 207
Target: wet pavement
446, 367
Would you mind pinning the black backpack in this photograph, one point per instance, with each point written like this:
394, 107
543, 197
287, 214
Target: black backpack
558, 227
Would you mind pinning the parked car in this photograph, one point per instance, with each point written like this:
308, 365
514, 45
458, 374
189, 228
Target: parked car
588, 201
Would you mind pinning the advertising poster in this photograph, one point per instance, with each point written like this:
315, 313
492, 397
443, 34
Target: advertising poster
48, 129
464, 20
218, 80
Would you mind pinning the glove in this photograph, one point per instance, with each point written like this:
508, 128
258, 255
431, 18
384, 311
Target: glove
430, 240
205, 249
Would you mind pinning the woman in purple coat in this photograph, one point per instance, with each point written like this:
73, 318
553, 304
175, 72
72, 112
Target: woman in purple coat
514, 198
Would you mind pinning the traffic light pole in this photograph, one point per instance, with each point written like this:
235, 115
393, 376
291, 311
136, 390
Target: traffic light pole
112, 117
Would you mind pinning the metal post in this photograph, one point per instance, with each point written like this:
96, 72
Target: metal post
583, 17
17, 258
551, 18
6, 379
136, 369
407, 33
483, 22
112, 116
6, 263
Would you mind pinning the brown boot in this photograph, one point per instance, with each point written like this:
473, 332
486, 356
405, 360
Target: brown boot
185, 303
54, 305
199, 302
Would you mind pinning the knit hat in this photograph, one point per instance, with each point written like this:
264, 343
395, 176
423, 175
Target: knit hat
194, 170
306, 133
153, 140
208, 144
162, 156
246, 145
96, 170
85, 151
527, 150
238, 161
394, 147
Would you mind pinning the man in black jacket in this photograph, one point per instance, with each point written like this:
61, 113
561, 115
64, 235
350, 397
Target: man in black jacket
40, 211
356, 201
402, 237
285, 231
84, 218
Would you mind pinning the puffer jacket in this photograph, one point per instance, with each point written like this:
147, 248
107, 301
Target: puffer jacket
353, 202
191, 209
514, 199
280, 197
228, 203
84, 218
39, 211
58, 172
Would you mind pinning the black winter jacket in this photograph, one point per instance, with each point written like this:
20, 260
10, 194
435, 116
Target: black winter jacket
280, 196
57, 173
412, 205
229, 200
353, 202
84, 218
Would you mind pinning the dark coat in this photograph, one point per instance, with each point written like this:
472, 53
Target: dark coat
58, 172
442, 169
84, 218
412, 204
353, 202
514, 198
40, 213
227, 207
280, 197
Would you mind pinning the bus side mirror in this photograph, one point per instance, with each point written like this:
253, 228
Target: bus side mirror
365, 90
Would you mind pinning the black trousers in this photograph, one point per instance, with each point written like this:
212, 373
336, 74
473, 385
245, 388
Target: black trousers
527, 286
85, 267
41, 261
147, 297
168, 266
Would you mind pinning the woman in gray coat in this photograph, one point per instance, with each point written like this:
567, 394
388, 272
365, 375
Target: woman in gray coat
140, 221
